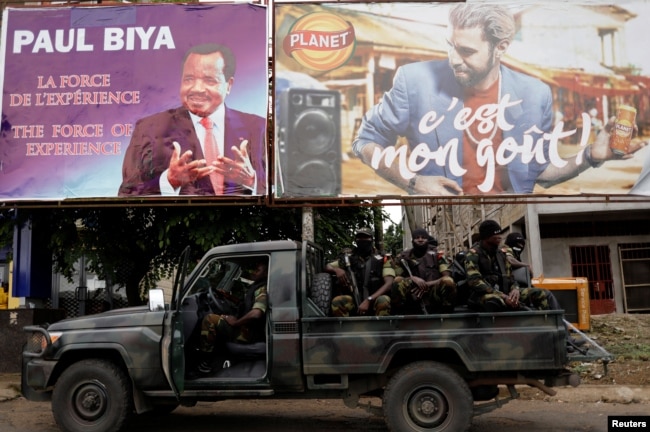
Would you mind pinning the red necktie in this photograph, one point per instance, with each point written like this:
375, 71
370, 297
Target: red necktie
211, 151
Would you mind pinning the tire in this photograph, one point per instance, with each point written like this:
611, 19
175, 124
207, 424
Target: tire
427, 396
321, 292
92, 396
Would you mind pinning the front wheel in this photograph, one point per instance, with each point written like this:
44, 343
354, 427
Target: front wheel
92, 396
427, 396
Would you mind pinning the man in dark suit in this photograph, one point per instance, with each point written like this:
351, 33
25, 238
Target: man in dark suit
203, 147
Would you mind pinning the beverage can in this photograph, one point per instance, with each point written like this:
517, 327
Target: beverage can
619, 140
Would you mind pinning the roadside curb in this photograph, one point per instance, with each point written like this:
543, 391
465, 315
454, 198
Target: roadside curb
591, 393
9, 387
7, 395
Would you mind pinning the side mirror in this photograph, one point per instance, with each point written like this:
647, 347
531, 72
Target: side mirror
156, 300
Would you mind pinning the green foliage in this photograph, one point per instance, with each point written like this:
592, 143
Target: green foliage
335, 227
631, 350
7, 224
393, 239
135, 247
140, 245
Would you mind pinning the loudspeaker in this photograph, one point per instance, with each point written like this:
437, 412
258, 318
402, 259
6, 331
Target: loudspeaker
309, 143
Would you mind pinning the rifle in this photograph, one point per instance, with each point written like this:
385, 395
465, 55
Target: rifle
408, 269
353, 279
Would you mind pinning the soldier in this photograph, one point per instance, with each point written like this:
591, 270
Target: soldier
373, 277
492, 285
425, 283
433, 243
249, 327
489, 276
514, 245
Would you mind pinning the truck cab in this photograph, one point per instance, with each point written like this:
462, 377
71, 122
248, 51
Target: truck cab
218, 285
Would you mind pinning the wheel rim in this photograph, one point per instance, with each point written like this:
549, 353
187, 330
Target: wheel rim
427, 407
90, 401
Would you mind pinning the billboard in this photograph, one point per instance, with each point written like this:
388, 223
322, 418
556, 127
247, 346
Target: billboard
109, 101
428, 99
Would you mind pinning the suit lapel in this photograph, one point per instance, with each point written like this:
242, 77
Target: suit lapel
185, 134
513, 113
234, 130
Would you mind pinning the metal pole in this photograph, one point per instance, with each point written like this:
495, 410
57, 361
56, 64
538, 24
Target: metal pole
308, 223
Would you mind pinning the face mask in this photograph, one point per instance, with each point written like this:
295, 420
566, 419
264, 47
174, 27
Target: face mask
364, 247
420, 249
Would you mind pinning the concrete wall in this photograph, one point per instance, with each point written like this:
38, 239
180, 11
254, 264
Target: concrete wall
12, 336
557, 262
549, 257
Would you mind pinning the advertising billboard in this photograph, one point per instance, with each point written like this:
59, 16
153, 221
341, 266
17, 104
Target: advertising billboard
134, 100
435, 99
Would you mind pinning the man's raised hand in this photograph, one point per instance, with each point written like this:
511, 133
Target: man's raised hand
184, 170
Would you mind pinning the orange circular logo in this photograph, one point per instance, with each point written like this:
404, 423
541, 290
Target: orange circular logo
321, 41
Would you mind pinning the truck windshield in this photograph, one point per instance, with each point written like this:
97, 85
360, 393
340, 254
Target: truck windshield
228, 275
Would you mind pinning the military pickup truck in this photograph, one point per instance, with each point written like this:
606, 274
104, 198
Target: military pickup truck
429, 372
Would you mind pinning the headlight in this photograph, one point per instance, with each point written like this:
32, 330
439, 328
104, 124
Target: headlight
37, 342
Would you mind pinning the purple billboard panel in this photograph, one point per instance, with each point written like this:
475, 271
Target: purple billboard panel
435, 99
139, 100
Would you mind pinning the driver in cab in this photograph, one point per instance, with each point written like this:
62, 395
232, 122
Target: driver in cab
249, 327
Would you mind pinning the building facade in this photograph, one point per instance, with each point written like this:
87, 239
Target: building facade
606, 242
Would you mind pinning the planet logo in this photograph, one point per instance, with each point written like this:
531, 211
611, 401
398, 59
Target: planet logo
320, 41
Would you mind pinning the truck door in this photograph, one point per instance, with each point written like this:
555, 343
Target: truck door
173, 343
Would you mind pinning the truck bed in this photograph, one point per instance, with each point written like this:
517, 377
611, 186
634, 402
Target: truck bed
480, 342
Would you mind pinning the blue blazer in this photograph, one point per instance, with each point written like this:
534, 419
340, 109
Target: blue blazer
419, 88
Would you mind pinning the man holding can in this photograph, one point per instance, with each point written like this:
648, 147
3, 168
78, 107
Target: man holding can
472, 125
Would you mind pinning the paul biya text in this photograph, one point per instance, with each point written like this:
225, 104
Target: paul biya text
114, 39
488, 154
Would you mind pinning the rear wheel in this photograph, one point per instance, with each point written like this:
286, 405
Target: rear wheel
92, 396
427, 396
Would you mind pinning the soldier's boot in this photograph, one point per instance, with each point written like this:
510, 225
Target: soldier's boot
208, 365
573, 345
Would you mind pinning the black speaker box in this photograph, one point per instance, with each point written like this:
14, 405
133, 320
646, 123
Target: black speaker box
309, 143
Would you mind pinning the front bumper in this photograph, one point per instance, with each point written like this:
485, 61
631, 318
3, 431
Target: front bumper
36, 371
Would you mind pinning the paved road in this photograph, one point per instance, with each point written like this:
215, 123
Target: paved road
20, 415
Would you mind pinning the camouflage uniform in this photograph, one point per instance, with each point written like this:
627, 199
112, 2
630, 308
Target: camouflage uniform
522, 278
215, 329
430, 267
380, 267
490, 275
509, 252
